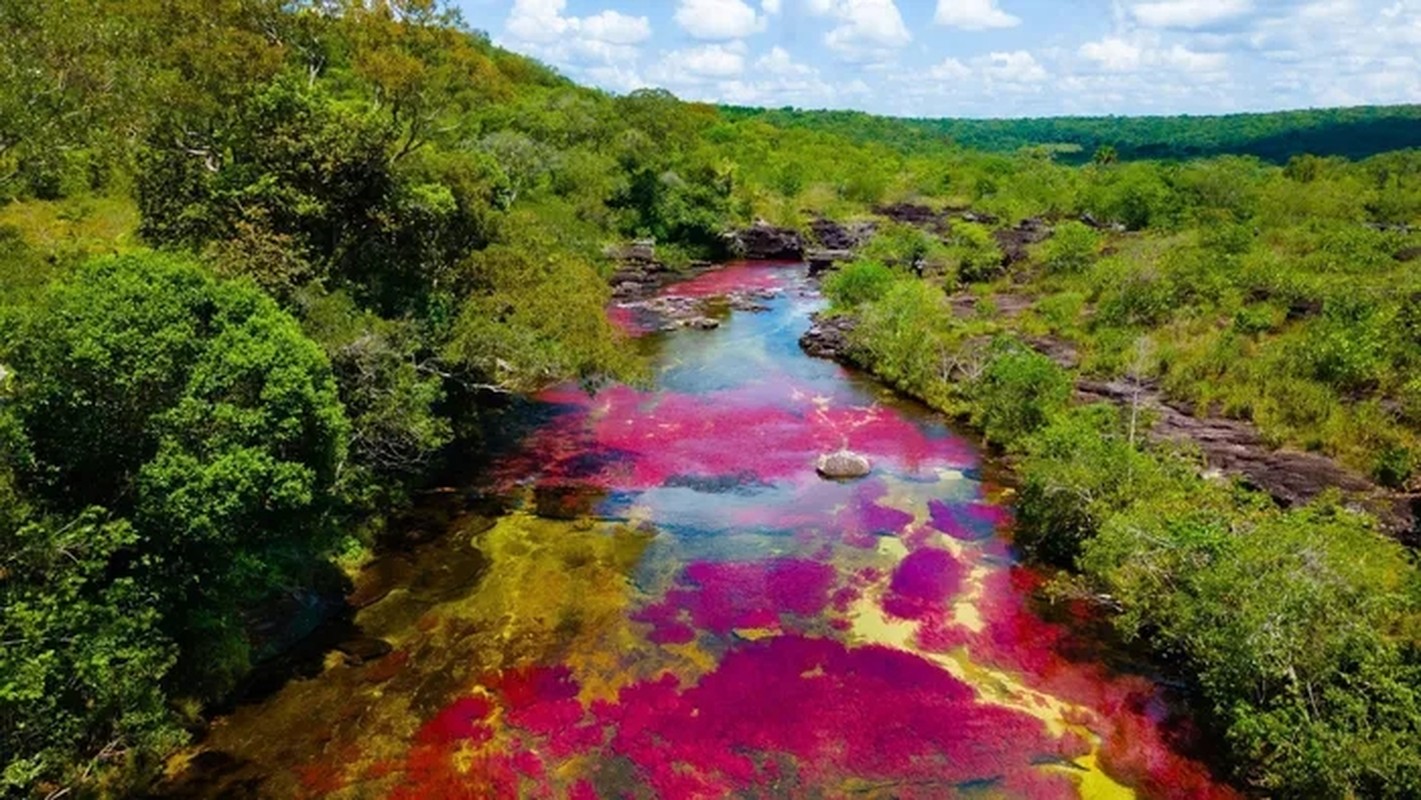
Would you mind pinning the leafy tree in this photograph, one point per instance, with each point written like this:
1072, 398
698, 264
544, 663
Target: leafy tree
296, 171
390, 388
1072, 248
1291, 620
1017, 394
85, 657
535, 318
198, 411
979, 258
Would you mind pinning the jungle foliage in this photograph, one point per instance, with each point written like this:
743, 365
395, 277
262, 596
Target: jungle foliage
263, 261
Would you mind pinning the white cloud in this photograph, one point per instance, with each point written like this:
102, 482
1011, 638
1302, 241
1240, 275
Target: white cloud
616, 77
1016, 67
1189, 14
1113, 54
712, 61
973, 15
539, 27
1121, 55
615, 28
774, 79
867, 30
771, 7
1343, 51
1183, 59
778, 62
718, 20
679, 70
950, 70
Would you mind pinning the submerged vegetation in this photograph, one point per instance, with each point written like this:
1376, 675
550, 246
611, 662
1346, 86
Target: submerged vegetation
262, 262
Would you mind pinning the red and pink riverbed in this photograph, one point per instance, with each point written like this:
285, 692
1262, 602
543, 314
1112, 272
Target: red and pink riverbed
705, 617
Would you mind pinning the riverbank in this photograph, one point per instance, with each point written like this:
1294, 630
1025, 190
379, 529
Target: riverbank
1293, 620
1230, 447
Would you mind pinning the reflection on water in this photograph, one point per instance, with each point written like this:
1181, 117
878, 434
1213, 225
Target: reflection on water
677, 606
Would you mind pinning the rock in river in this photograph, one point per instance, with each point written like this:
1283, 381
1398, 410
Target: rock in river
843, 465
364, 649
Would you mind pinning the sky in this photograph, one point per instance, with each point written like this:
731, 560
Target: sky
979, 58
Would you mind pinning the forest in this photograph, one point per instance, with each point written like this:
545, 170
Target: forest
264, 263
1275, 137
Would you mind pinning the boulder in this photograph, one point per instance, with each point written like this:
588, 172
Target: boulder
364, 649
821, 261
843, 465
765, 242
1090, 220
828, 337
979, 218
830, 235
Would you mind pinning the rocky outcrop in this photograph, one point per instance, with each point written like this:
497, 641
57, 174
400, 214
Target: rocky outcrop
640, 275
843, 465
979, 218
363, 650
1090, 220
830, 235
821, 261
673, 311
1229, 446
765, 242
1234, 447
920, 216
828, 337
1015, 241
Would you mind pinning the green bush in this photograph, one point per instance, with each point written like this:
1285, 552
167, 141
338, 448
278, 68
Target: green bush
907, 337
1077, 472
1018, 393
1297, 625
1072, 249
979, 258
1133, 294
903, 246
858, 283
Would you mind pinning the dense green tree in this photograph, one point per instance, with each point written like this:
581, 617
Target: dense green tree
295, 168
197, 410
1017, 393
1298, 624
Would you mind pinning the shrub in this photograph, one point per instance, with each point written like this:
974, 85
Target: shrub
858, 283
979, 258
1072, 249
907, 337
1296, 624
1017, 394
1079, 470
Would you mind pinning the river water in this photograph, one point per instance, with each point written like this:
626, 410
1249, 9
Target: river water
663, 600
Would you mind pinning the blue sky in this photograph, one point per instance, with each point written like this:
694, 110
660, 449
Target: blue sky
980, 58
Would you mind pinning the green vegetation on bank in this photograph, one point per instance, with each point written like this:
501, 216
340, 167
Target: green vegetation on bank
262, 261
1298, 628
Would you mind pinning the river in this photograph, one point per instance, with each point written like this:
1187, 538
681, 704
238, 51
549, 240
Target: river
654, 595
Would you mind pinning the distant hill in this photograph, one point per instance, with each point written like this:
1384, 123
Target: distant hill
1351, 132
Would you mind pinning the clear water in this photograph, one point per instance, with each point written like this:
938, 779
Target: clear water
678, 606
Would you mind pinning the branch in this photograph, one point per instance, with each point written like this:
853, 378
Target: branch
429, 369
